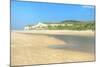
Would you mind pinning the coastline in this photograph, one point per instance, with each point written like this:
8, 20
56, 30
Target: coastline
58, 47
59, 32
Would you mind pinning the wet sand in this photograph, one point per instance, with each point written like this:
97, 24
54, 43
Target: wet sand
33, 48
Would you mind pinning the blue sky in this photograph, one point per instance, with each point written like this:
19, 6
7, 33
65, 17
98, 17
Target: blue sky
25, 13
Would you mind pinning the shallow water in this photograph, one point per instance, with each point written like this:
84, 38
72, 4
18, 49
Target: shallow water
75, 43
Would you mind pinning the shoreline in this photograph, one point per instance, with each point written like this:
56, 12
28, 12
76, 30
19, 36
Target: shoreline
58, 32
29, 49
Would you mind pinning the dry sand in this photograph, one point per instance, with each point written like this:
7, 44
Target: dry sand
59, 32
28, 49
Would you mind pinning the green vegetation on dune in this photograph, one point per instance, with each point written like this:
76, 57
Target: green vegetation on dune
66, 25
74, 26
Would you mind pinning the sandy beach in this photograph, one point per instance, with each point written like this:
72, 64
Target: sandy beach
46, 47
59, 32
